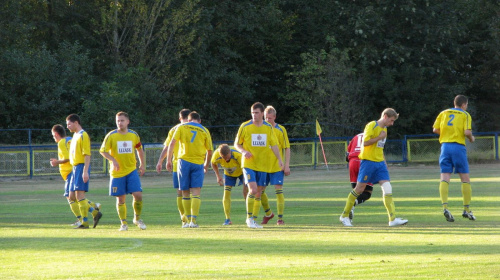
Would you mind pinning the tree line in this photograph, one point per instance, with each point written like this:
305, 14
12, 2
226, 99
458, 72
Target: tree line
340, 62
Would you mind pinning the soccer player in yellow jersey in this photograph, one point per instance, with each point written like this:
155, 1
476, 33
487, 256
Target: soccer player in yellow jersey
65, 167
373, 167
276, 177
118, 148
230, 160
453, 125
195, 152
79, 157
258, 145
183, 118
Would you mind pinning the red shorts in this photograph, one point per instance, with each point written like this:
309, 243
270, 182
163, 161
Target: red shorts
354, 170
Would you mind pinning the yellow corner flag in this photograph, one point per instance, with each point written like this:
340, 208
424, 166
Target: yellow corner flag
318, 128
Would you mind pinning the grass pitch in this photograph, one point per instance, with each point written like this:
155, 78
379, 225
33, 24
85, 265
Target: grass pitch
37, 242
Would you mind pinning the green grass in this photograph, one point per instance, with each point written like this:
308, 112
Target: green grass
36, 241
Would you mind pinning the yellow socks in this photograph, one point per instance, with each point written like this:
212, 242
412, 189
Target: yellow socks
195, 207
280, 201
137, 209
250, 203
75, 208
226, 201
467, 195
122, 212
84, 211
179, 205
256, 207
389, 205
351, 199
264, 200
186, 203
443, 193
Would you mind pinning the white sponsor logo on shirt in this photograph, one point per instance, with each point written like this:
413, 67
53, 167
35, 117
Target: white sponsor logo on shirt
259, 140
124, 147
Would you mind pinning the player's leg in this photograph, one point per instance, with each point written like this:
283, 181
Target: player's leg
264, 199
462, 168
71, 198
446, 166
251, 182
184, 184
197, 177
229, 183
117, 189
121, 209
180, 207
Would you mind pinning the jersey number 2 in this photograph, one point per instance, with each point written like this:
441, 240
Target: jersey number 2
450, 122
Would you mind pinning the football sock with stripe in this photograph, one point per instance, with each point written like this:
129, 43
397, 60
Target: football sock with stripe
250, 203
122, 212
443, 193
264, 200
351, 199
280, 203
195, 207
467, 195
137, 209
84, 211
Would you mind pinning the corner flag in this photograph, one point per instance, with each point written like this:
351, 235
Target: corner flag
318, 128
318, 132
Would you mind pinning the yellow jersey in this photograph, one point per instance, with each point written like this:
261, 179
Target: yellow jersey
63, 153
283, 143
79, 148
194, 142
452, 123
258, 141
176, 146
122, 147
232, 167
374, 152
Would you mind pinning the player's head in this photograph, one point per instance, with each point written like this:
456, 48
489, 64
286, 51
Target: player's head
388, 116
225, 152
461, 100
194, 117
73, 123
184, 114
122, 120
58, 132
270, 114
257, 111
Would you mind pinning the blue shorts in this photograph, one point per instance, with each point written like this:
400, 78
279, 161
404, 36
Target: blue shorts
255, 176
190, 175
231, 181
77, 183
453, 156
67, 184
275, 178
373, 172
175, 179
125, 185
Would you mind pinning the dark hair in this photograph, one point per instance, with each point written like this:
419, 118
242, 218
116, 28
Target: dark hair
194, 116
74, 118
184, 113
258, 105
59, 129
460, 100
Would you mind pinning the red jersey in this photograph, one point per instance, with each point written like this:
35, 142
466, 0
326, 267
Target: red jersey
354, 147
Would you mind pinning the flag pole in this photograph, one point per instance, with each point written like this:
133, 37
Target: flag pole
318, 132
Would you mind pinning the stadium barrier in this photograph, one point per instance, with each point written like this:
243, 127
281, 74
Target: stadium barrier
34, 160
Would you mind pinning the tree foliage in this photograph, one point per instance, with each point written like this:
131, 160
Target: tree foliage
155, 57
